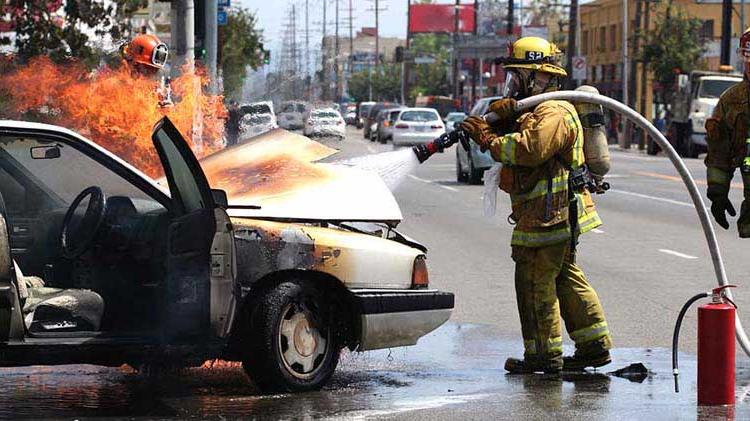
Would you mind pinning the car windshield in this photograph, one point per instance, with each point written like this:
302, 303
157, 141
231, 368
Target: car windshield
256, 109
62, 177
456, 117
419, 116
255, 119
324, 114
364, 110
714, 88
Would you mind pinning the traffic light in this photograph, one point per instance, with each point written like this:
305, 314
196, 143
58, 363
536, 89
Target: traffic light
399, 54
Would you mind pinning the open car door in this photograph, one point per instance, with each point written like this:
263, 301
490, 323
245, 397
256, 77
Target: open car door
190, 233
11, 324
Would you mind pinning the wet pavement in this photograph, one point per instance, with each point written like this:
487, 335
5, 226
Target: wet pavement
454, 372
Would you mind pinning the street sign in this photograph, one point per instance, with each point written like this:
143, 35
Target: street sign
424, 60
579, 68
221, 17
224, 4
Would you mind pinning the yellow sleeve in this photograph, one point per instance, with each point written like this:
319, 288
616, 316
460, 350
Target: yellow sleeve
542, 134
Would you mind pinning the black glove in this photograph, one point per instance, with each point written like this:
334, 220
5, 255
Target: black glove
719, 208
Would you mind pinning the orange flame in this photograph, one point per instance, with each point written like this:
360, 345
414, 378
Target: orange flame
115, 108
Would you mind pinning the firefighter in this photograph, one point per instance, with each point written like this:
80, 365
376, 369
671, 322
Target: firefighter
542, 164
728, 141
146, 55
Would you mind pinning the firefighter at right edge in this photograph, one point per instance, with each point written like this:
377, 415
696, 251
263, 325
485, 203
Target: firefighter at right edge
538, 150
728, 143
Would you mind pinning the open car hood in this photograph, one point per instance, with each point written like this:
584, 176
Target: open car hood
277, 172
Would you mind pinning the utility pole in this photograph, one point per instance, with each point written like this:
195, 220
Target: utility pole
211, 42
324, 72
474, 67
644, 72
307, 51
511, 6
351, 31
407, 66
625, 71
336, 94
726, 31
182, 17
572, 31
456, 93
295, 66
377, 35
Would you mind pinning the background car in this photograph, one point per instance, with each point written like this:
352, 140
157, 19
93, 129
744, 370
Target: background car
257, 118
371, 116
324, 122
386, 120
291, 115
470, 166
452, 120
362, 111
416, 126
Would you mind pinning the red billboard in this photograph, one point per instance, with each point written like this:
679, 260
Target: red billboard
426, 18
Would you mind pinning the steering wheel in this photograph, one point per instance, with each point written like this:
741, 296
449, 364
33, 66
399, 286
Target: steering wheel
75, 240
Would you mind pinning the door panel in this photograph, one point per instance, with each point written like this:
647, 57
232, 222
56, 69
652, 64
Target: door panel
189, 238
11, 323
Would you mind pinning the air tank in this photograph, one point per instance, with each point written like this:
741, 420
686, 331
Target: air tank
595, 147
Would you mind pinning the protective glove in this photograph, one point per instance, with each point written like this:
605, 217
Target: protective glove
478, 130
719, 207
505, 110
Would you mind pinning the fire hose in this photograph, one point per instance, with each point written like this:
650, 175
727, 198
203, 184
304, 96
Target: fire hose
423, 152
687, 178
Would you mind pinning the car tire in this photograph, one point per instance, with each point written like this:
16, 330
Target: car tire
288, 348
651, 147
460, 174
691, 149
475, 176
382, 139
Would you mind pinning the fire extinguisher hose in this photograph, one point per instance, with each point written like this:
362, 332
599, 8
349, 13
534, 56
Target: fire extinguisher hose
687, 178
676, 335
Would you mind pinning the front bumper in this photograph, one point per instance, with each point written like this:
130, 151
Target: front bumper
393, 318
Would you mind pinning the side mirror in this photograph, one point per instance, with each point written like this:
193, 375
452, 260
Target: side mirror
220, 198
45, 152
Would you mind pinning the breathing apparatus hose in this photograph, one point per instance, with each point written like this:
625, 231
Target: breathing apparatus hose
676, 335
700, 207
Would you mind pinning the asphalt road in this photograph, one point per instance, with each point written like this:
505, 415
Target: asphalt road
647, 259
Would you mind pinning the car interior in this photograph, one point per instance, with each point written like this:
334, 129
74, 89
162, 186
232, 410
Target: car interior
87, 243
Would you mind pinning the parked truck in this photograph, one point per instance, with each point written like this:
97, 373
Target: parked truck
695, 96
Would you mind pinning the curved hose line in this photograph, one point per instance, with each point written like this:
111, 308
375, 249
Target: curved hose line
676, 335
700, 207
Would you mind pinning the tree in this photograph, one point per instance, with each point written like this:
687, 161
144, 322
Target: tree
60, 29
386, 84
431, 79
242, 47
674, 45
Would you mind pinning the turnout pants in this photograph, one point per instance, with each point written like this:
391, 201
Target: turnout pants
550, 285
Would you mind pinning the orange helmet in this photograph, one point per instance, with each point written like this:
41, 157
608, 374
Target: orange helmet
146, 49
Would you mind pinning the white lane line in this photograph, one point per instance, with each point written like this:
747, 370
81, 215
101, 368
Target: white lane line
678, 254
449, 188
655, 198
597, 231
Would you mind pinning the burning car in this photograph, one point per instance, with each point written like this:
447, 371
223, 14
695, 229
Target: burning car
287, 264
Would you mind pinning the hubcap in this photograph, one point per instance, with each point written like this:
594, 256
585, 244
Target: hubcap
301, 344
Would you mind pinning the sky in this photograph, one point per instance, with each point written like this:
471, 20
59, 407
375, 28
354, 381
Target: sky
272, 14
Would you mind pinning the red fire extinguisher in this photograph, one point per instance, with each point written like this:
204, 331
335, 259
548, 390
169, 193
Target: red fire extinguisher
715, 347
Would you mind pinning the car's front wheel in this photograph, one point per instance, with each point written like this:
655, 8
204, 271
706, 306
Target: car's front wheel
290, 345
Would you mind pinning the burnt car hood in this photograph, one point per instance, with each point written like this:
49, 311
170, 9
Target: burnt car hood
279, 173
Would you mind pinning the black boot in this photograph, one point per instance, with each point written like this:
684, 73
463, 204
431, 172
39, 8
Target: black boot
579, 362
519, 366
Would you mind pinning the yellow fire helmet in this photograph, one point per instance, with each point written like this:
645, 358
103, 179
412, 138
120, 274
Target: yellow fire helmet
536, 54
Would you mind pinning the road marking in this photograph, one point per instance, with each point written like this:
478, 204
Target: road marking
449, 188
597, 231
676, 178
678, 254
655, 198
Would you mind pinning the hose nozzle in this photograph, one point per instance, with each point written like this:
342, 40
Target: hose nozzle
446, 140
